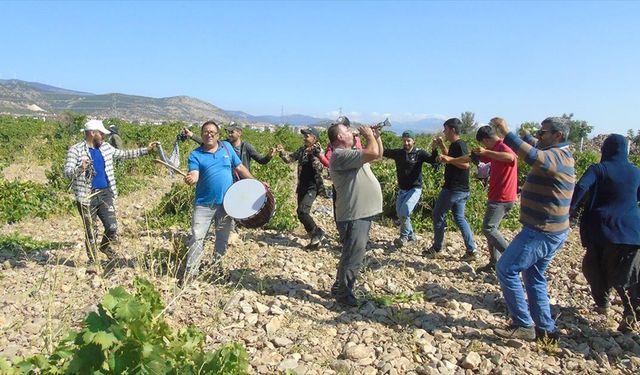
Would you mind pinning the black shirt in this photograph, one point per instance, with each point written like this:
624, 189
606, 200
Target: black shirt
456, 179
409, 165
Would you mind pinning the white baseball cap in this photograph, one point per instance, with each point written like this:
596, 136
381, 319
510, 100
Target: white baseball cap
96, 125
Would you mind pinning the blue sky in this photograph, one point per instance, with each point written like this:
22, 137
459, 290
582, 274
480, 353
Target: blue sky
407, 60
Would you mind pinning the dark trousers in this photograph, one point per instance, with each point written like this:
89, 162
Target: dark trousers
306, 198
100, 207
614, 266
354, 235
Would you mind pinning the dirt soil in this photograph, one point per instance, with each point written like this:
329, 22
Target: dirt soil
274, 298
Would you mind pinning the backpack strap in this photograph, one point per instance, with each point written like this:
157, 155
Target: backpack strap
234, 173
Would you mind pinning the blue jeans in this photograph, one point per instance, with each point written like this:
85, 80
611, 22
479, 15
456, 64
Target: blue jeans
530, 252
454, 201
200, 223
406, 202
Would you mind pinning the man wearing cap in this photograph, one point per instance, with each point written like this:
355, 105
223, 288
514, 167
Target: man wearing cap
115, 140
311, 162
89, 164
503, 186
211, 168
409, 160
359, 198
544, 214
245, 150
455, 192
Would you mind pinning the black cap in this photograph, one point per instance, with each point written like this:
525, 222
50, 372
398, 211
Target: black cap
342, 120
233, 126
311, 131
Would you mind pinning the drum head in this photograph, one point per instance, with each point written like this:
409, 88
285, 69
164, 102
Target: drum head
244, 199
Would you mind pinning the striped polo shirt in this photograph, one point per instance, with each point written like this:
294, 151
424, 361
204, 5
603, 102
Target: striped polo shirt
547, 191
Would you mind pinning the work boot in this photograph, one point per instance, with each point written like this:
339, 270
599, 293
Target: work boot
400, 242
316, 237
431, 251
516, 332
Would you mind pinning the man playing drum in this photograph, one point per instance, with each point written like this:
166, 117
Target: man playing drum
311, 162
210, 169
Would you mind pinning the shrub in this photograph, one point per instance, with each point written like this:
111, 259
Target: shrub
128, 335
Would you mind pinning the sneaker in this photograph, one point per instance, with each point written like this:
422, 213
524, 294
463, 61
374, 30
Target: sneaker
430, 251
400, 242
547, 337
348, 300
516, 332
469, 255
316, 237
602, 310
487, 268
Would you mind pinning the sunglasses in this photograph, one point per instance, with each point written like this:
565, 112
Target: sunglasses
541, 132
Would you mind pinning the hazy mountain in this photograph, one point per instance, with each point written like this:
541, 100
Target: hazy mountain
428, 125
21, 97
294, 119
33, 98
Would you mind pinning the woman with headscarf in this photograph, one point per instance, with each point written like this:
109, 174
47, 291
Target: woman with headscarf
609, 191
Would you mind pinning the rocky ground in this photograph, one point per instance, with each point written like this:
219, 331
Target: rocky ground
274, 298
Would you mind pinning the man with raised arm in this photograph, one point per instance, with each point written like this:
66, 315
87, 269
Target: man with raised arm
90, 166
544, 214
454, 193
409, 160
358, 199
211, 169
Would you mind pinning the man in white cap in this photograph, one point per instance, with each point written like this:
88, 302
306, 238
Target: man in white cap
89, 165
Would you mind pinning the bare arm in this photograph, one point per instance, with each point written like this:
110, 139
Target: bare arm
495, 155
243, 172
371, 152
462, 162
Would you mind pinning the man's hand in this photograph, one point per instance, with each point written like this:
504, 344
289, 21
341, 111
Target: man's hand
85, 164
479, 151
191, 178
186, 132
279, 148
500, 125
444, 158
152, 146
272, 152
365, 131
376, 132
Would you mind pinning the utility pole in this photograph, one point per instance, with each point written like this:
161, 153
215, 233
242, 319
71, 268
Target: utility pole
339, 111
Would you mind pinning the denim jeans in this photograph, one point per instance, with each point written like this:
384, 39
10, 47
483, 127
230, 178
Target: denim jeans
200, 223
406, 202
529, 253
454, 201
101, 206
355, 235
490, 225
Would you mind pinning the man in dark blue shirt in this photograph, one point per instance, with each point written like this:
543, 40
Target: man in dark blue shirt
409, 160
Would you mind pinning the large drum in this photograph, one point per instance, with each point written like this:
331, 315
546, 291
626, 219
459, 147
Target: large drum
250, 203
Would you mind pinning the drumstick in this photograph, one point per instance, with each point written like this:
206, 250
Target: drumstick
170, 167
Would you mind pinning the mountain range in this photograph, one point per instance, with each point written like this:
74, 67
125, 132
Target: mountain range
19, 97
